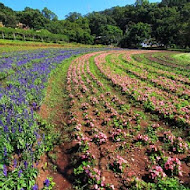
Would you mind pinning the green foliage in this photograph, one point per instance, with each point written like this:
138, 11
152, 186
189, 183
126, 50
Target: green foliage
7, 16
173, 2
31, 35
26, 179
77, 31
51, 137
165, 184
50, 185
3, 75
136, 34
170, 184
97, 21
151, 132
166, 29
110, 34
73, 16
141, 2
32, 18
49, 14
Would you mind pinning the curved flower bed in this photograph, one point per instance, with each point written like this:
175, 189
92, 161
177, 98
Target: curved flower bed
21, 142
117, 143
117, 138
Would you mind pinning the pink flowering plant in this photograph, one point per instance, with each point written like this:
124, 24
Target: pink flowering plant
72, 121
90, 177
176, 144
155, 150
94, 101
89, 122
84, 89
106, 120
156, 172
142, 138
77, 127
85, 106
100, 138
83, 142
155, 125
71, 104
155, 153
168, 137
173, 167
87, 156
118, 135
179, 145
118, 165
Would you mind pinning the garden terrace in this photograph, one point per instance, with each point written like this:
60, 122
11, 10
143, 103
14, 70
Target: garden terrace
120, 120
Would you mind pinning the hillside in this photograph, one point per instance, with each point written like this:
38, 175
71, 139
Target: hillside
164, 24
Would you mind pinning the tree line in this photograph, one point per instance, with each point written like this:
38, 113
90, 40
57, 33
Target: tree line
165, 24
42, 35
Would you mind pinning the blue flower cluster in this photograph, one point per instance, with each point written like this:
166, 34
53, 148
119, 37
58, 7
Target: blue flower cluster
20, 96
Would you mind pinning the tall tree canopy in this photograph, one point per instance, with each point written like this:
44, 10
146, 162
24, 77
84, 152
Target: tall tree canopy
165, 24
49, 14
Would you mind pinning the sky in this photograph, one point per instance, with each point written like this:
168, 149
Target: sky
62, 7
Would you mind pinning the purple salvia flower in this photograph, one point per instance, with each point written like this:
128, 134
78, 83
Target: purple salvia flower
25, 164
47, 183
5, 152
19, 173
15, 163
35, 187
5, 170
13, 129
1, 123
6, 129
39, 143
20, 129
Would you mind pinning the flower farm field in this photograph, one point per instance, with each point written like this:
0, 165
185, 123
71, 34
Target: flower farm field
89, 118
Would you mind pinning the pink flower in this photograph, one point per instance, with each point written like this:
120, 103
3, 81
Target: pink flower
157, 171
95, 186
180, 174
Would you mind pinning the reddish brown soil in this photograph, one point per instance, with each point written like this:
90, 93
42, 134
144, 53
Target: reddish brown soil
43, 172
60, 176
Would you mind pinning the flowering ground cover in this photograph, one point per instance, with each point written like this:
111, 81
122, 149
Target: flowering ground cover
23, 79
109, 119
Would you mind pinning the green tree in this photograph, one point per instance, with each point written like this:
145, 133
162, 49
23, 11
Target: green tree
7, 16
97, 21
141, 2
73, 16
49, 14
184, 31
173, 2
32, 18
136, 34
166, 28
110, 34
